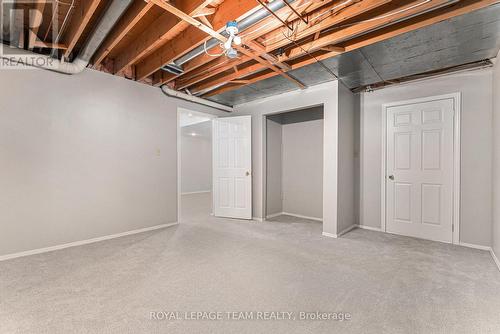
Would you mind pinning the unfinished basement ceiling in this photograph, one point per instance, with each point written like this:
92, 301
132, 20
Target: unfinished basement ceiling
160, 42
464, 39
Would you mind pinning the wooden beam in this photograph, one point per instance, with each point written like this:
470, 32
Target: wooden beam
218, 81
36, 18
240, 81
205, 21
460, 8
160, 77
320, 22
360, 28
222, 38
133, 15
301, 17
271, 58
265, 74
342, 14
398, 13
80, 18
331, 48
192, 37
261, 74
44, 45
219, 65
189, 19
163, 29
424, 20
229, 86
205, 12
266, 26
276, 16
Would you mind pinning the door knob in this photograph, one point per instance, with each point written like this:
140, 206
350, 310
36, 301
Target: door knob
247, 173
391, 177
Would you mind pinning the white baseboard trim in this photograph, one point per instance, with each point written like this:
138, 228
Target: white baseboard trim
197, 192
301, 216
83, 242
464, 244
350, 228
495, 258
485, 248
274, 215
258, 219
370, 228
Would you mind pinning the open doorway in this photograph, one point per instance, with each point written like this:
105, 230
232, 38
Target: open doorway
195, 164
294, 149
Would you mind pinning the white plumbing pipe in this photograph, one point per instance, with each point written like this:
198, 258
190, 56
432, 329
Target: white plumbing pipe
116, 9
175, 94
14, 56
24, 57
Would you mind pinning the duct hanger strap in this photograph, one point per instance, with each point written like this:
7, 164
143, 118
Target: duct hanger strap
305, 20
286, 24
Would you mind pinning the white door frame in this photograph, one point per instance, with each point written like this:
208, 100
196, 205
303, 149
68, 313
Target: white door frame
456, 157
179, 156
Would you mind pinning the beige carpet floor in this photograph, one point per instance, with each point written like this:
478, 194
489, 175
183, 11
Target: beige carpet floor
385, 283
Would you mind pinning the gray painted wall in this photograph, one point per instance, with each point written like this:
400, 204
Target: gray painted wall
83, 156
303, 168
274, 168
496, 161
348, 162
196, 158
476, 141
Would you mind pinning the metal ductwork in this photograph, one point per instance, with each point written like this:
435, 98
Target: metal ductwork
107, 22
172, 68
242, 25
115, 10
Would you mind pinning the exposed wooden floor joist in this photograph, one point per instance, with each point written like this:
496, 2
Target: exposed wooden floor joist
154, 33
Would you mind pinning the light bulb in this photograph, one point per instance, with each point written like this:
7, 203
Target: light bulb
237, 40
232, 53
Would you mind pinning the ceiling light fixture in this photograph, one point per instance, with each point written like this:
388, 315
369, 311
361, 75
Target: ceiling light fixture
232, 30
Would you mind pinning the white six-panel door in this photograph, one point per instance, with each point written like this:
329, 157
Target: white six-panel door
420, 169
232, 166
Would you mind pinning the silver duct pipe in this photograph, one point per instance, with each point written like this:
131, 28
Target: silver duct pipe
242, 25
108, 21
179, 95
110, 18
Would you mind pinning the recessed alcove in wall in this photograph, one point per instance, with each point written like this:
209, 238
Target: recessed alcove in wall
294, 168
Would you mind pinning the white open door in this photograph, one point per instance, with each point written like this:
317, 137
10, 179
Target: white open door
232, 167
